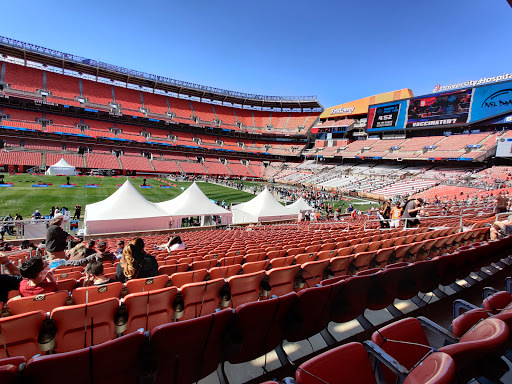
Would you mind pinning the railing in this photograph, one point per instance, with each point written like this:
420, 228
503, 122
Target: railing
132, 73
424, 218
22, 227
330, 226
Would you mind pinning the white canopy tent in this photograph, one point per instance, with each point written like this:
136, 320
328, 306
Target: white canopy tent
263, 207
299, 206
62, 167
191, 203
125, 210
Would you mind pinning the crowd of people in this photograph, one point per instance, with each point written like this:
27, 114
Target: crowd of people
36, 275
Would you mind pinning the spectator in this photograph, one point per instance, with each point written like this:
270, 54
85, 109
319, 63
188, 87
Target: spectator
78, 211
37, 278
94, 274
135, 262
176, 244
501, 228
502, 203
411, 209
36, 215
119, 250
56, 238
9, 282
396, 213
90, 250
103, 253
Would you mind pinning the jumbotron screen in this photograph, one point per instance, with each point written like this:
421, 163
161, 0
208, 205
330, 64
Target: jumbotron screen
437, 110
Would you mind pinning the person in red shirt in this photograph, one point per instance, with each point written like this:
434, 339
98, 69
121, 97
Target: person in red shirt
37, 278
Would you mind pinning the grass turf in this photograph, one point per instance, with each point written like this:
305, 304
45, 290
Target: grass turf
25, 199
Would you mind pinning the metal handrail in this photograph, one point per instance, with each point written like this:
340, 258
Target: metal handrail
336, 225
412, 218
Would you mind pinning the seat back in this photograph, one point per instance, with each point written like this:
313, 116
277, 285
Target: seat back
172, 268
487, 336
310, 313
20, 333
408, 330
44, 302
259, 327
351, 359
313, 272
181, 278
96, 293
75, 322
255, 266
201, 298
147, 284
282, 280
187, 351
149, 309
224, 272
245, 288
90, 365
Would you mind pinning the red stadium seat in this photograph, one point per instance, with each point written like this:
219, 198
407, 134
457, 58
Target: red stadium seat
20, 333
282, 280
313, 272
245, 288
91, 365
147, 284
259, 327
44, 302
148, 310
9, 369
181, 278
485, 338
255, 266
96, 293
172, 268
188, 351
75, 322
224, 272
201, 298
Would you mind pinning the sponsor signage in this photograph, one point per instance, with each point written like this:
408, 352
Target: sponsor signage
473, 83
387, 116
342, 110
491, 101
439, 110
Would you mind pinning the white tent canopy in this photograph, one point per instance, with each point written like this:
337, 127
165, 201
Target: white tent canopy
125, 210
299, 206
62, 167
193, 202
263, 207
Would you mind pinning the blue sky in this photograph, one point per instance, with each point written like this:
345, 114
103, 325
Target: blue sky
337, 50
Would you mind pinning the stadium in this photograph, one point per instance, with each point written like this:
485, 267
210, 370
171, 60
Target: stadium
292, 266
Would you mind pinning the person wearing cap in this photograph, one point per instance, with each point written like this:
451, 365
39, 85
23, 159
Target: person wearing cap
103, 253
56, 238
410, 212
36, 215
90, 250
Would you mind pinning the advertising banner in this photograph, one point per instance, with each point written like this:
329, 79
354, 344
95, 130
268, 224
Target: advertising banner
387, 116
504, 148
491, 100
439, 110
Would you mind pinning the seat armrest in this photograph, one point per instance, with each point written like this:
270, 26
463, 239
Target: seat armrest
461, 306
386, 359
436, 328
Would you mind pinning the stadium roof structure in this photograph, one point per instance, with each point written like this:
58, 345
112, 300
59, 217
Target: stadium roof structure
81, 65
358, 107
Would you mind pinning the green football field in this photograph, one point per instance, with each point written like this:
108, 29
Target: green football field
24, 199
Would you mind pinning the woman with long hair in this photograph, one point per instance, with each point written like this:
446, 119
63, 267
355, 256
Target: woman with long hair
135, 262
